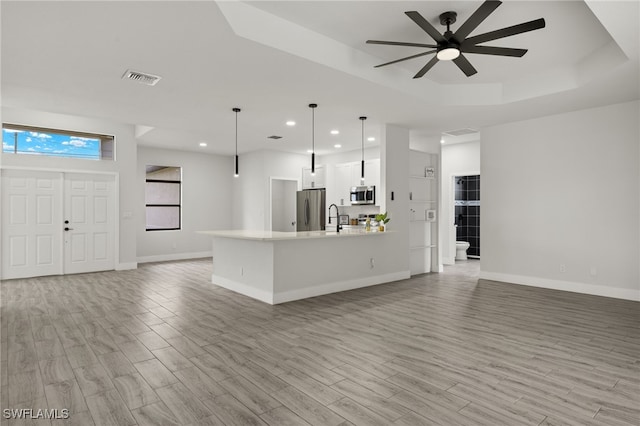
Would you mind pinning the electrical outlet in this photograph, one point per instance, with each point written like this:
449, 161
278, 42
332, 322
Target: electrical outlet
372, 263
593, 271
242, 271
563, 268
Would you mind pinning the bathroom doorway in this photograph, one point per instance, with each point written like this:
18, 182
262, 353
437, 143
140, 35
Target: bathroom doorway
467, 212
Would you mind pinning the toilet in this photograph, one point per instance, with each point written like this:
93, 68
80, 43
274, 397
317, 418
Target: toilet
461, 250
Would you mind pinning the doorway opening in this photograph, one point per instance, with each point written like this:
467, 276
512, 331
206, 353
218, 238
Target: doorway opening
283, 204
467, 215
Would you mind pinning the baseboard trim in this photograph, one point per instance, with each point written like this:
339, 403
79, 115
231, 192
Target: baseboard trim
305, 293
174, 256
574, 287
338, 286
126, 266
246, 290
448, 261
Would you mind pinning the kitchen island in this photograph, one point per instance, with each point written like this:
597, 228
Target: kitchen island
278, 267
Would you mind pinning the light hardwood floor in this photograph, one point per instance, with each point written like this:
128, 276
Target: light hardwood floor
161, 345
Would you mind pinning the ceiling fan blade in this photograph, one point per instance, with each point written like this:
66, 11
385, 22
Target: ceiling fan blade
465, 65
476, 19
425, 25
506, 32
401, 43
491, 50
427, 67
405, 59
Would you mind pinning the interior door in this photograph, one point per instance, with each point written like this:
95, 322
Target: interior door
283, 205
36, 241
88, 223
31, 218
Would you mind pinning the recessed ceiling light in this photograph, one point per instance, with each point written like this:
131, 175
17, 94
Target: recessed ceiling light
335, 132
203, 144
310, 151
441, 140
291, 123
337, 145
371, 139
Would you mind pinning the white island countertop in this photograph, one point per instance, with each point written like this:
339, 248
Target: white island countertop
279, 236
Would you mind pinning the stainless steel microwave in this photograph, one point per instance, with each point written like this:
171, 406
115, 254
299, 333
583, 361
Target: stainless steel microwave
363, 195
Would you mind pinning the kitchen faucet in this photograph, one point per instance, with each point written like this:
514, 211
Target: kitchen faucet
338, 226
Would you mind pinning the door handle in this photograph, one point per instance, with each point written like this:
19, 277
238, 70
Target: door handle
68, 229
306, 211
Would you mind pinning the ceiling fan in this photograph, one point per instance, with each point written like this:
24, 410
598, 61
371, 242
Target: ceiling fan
451, 46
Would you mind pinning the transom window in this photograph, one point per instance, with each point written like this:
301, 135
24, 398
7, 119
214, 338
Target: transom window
18, 139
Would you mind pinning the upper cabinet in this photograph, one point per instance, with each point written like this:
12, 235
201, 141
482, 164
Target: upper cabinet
317, 180
342, 184
346, 175
371, 173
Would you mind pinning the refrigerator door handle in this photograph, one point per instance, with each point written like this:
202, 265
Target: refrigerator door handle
307, 213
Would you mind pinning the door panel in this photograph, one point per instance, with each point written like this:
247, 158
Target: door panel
18, 251
44, 250
31, 218
89, 242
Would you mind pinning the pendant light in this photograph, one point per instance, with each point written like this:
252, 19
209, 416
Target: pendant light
362, 161
313, 141
236, 110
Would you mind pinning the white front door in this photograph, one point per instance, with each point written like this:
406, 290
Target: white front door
35, 206
31, 219
88, 223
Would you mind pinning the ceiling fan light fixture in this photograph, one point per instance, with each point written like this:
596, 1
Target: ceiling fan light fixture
448, 53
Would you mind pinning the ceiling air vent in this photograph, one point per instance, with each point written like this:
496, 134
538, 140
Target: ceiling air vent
140, 77
274, 137
460, 132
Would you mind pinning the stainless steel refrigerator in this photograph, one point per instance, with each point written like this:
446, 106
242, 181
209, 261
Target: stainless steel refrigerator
311, 205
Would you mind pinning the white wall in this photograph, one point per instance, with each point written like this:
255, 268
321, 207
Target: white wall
394, 177
206, 203
251, 190
564, 190
124, 165
457, 159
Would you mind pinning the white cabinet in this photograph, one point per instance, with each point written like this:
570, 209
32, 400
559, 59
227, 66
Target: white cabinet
342, 184
347, 175
371, 173
423, 206
317, 180
342, 176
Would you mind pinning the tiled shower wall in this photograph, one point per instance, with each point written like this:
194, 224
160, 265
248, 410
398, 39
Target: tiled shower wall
467, 212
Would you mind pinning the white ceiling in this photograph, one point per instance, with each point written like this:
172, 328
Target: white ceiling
273, 58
